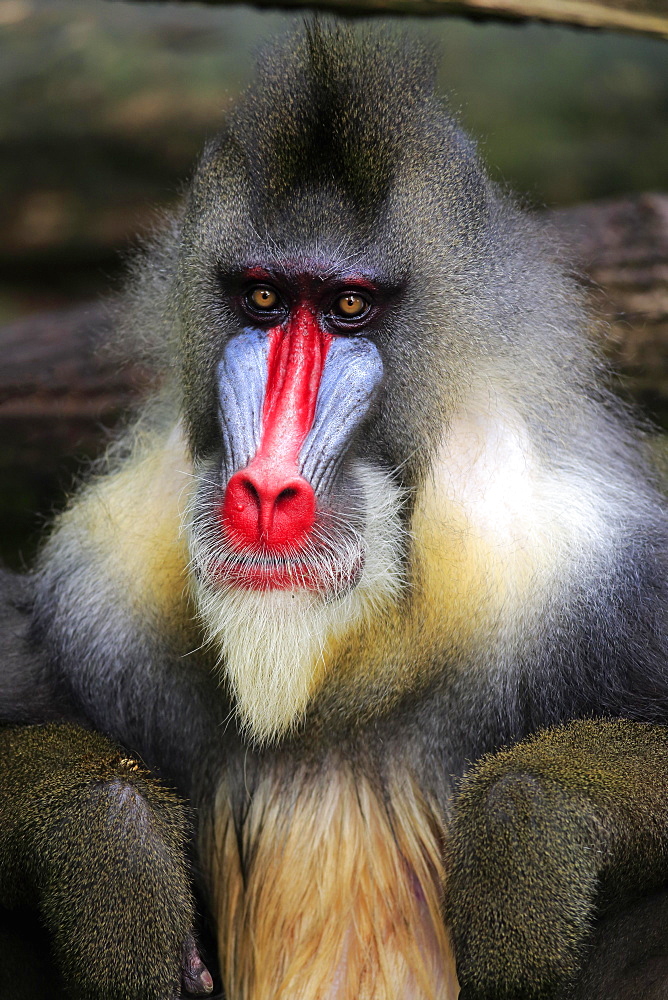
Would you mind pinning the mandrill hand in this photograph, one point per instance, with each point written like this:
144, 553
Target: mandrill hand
98, 847
547, 837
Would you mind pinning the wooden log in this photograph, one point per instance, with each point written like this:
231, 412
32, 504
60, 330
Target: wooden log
60, 393
58, 383
622, 248
644, 16
60, 387
54, 366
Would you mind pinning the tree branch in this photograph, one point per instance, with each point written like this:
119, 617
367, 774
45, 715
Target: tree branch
58, 384
644, 16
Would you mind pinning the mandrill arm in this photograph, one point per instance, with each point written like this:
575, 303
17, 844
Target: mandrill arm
565, 828
98, 846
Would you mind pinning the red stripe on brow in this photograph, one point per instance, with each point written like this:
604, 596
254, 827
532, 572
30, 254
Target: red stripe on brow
269, 504
297, 355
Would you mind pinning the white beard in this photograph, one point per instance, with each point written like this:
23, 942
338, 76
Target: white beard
273, 643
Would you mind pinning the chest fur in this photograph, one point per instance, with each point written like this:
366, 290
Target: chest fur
330, 888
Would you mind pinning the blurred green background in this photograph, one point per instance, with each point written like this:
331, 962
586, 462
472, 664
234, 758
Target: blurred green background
104, 106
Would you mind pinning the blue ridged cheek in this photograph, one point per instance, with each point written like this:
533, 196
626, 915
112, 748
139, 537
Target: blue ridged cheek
242, 378
353, 372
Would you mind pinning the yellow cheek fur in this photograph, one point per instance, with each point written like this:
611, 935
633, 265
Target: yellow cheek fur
134, 518
492, 535
464, 579
469, 564
455, 594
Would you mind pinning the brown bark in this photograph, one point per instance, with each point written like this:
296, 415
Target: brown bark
55, 366
622, 248
58, 384
645, 16
59, 387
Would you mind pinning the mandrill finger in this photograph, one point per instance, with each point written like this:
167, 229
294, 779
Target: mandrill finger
195, 977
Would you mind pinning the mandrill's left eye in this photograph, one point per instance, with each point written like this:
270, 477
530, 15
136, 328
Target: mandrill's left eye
350, 305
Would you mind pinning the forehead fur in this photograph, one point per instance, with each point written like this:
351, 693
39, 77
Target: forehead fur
335, 104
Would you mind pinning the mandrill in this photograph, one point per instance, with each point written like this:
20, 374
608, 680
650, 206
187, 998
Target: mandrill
358, 637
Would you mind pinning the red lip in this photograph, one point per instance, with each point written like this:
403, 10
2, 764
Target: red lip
255, 575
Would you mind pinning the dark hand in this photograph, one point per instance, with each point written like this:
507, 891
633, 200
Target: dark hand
545, 837
98, 846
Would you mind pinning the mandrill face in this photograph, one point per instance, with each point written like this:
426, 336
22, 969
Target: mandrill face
293, 512
294, 532
331, 296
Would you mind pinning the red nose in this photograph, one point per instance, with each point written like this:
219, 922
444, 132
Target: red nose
268, 506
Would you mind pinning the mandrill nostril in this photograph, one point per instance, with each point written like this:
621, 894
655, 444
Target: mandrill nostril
251, 492
287, 494
262, 509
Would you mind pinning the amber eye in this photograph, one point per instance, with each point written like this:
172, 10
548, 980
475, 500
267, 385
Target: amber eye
262, 298
351, 305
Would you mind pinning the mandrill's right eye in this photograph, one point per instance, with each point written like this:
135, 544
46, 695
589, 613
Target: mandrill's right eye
263, 301
263, 298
